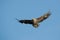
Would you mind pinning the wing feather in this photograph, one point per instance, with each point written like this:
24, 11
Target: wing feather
42, 18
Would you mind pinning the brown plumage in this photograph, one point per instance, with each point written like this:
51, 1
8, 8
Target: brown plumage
35, 21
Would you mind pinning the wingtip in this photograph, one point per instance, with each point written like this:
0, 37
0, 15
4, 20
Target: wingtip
49, 12
17, 19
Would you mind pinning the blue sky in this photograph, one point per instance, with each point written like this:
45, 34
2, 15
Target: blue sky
11, 29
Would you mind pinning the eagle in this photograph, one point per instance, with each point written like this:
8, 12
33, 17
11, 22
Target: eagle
35, 21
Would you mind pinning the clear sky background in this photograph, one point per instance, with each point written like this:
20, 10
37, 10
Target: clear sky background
11, 29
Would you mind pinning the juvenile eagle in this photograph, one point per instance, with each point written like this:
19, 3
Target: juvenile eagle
35, 21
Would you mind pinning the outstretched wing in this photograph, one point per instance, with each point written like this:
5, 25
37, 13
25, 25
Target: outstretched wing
42, 18
26, 21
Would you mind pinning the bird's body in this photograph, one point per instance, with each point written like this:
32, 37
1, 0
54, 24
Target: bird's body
35, 21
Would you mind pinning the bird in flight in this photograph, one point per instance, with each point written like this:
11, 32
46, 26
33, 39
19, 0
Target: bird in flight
35, 21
